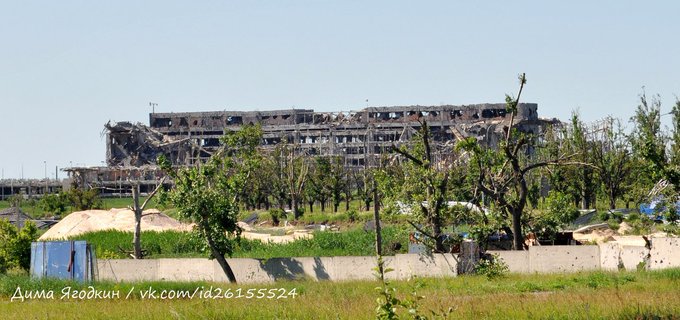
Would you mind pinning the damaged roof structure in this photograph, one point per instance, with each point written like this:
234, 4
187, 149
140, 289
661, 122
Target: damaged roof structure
192, 137
18, 218
359, 137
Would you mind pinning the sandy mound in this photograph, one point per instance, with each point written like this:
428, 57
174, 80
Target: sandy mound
266, 238
118, 219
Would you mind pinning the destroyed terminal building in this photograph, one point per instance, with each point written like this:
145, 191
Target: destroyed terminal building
358, 137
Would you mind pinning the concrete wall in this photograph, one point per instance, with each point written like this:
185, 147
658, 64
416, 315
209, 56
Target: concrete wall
664, 253
517, 261
128, 270
269, 270
610, 255
552, 259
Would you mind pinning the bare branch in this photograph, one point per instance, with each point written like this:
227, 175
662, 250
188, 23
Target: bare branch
512, 115
150, 214
420, 230
426, 142
557, 163
153, 193
407, 155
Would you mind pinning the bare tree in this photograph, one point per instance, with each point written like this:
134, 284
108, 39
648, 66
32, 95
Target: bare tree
139, 213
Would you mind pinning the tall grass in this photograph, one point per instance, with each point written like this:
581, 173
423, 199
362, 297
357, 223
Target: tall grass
173, 244
627, 295
113, 243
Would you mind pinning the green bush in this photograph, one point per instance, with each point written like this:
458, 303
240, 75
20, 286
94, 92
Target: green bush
55, 203
492, 267
561, 211
15, 245
276, 215
352, 215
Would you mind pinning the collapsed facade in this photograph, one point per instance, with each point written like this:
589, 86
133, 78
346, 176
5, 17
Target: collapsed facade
192, 137
358, 137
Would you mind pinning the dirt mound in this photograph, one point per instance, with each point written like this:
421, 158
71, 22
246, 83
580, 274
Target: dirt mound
117, 219
267, 238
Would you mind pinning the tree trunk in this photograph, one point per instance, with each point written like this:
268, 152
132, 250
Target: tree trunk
137, 238
612, 200
296, 212
323, 205
517, 238
438, 241
311, 206
587, 201
222, 261
335, 207
378, 232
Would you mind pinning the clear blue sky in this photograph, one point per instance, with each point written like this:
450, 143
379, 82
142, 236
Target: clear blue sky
68, 67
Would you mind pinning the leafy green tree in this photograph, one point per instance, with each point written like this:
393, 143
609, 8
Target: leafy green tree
560, 212
242, 147
337, 181
648, 144
319, 182
55, 203
209, 195
362, 181
656, 158
672, 168
583, 177
15, 245
501, 174
294, 175
277, 161
614, 162
82, 199
426, 186
206, 195
579, 182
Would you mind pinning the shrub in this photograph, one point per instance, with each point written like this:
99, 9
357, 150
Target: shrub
492, 267
352, 215
276, 215
561, 211
15, 245
54, 203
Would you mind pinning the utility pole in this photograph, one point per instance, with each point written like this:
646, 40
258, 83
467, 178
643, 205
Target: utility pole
153, 107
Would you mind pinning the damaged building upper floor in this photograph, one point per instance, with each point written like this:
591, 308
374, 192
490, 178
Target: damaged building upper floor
190, 137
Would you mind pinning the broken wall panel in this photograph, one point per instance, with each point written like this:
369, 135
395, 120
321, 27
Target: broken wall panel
192, 137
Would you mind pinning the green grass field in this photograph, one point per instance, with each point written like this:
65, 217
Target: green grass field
173, 244
596, 295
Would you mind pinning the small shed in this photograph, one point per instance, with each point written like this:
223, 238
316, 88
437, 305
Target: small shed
72, 260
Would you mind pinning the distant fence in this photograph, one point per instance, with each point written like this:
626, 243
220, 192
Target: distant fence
663, 253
